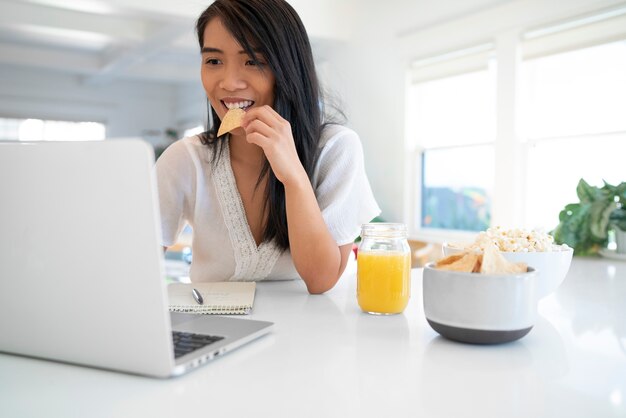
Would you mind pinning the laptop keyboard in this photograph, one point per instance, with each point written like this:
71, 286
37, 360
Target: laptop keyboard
186, 342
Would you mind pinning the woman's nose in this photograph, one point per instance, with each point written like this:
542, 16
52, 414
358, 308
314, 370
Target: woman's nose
232, 79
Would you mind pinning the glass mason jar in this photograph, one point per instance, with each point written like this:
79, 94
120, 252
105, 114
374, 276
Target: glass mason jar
383, 268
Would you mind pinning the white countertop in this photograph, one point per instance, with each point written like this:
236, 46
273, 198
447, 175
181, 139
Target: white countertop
327, 359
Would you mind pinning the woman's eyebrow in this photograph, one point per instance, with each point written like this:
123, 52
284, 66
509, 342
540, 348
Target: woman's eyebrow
208, 49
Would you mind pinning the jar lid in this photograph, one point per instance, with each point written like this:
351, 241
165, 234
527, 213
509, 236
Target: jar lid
384, 229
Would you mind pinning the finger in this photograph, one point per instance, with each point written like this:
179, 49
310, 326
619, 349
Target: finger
269, 110
258, 139
264, 113
259, 126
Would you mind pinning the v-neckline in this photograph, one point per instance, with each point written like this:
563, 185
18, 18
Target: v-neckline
231, 165
241, 209
253, 262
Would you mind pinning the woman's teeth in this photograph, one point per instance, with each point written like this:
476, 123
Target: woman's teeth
239, 105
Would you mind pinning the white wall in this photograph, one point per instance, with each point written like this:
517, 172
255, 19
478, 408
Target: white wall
370, 81
190, 106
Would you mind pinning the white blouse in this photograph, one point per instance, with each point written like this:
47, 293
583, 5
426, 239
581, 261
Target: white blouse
194, 191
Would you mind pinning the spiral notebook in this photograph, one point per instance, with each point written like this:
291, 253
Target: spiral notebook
219, 298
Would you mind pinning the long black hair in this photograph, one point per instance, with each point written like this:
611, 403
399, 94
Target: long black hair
274, 30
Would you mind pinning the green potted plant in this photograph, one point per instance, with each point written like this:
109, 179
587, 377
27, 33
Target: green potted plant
585, 225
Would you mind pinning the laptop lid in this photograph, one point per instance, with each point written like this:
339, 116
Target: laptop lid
80, 260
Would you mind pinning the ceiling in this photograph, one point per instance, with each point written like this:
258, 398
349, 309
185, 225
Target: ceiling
103, 40
100, 40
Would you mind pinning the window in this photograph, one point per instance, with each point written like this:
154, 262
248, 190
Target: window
50, 130
573, 120
556, 96
457, 185
452, 126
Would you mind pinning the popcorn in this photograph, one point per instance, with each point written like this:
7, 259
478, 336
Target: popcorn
515, 240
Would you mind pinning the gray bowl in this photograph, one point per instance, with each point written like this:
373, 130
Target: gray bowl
480, 308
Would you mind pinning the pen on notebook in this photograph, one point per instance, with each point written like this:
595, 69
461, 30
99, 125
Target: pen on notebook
197, 296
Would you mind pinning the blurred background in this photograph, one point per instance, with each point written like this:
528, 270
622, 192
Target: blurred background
471, 112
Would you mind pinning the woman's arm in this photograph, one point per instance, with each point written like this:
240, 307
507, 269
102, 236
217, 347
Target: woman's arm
318, 259
175, 175
316, 256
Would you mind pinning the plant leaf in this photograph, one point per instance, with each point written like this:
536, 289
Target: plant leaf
599, 214
620, 191
585, 192
569, 210
584, 226
573, 229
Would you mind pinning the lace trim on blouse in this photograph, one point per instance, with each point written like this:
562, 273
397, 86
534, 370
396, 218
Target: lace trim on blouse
252, 263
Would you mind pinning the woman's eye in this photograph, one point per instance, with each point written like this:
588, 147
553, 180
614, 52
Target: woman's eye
255, 62
212, 61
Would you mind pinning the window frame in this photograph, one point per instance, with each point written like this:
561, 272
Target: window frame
464, 61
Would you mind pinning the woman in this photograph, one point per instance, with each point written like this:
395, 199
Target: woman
284, 195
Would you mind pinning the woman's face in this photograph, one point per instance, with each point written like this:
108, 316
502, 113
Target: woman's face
229, 76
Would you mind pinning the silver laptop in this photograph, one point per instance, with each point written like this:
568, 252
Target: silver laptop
81, 264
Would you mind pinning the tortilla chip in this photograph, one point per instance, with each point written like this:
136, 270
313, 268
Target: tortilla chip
231, 120
495, 263
478, 264
466, 263
449, 259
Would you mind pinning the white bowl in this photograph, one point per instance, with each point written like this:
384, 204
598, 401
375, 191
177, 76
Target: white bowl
480, 308
551, 266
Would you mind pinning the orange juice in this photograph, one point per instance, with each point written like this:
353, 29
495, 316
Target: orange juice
383, 281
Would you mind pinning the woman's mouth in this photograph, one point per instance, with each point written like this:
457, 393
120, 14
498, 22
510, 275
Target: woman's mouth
241, 104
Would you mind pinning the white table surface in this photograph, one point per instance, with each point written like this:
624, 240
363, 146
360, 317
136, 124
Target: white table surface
327, 359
